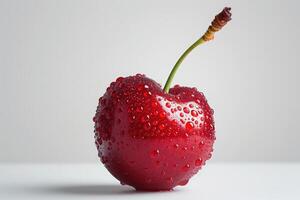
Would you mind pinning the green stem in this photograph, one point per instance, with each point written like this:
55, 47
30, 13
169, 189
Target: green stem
176, 66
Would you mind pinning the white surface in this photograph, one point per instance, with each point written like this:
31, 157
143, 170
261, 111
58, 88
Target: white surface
92, 181
58, 56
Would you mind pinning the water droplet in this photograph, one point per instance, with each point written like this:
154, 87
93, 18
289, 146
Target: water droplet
154, 123
162, 114
146, 86
186, 167
198, 162
189, 125
154, 153
161, 126
154, 104
191, 105
184, 182
186, 110
122, 183
194, 113
139, 109
145, 118
201, 144
179, 108
209, 156
181, 115
168, 105
176, 146
147, 126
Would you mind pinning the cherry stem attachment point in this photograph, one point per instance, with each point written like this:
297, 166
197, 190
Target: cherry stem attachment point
217, 24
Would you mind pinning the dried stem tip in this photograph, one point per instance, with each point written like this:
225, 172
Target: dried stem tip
217, 24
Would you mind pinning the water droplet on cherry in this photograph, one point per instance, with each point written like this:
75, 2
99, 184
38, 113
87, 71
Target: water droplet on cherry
201, 144
168, 105
155, 153
186, 167
189, 125
147, 126
186, 110
161, 126
154, 104
194, 113
198, 162
162, 114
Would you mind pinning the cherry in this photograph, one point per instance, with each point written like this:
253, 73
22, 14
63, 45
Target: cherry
153, 138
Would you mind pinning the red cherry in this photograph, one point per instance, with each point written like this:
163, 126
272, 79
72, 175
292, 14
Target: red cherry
152, 151
153, 138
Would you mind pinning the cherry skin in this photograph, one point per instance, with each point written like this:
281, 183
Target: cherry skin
150, 139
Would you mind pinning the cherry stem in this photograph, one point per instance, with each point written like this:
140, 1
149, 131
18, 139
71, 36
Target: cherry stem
179, 61
217, 24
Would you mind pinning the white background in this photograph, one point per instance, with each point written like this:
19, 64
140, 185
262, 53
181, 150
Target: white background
58, 57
